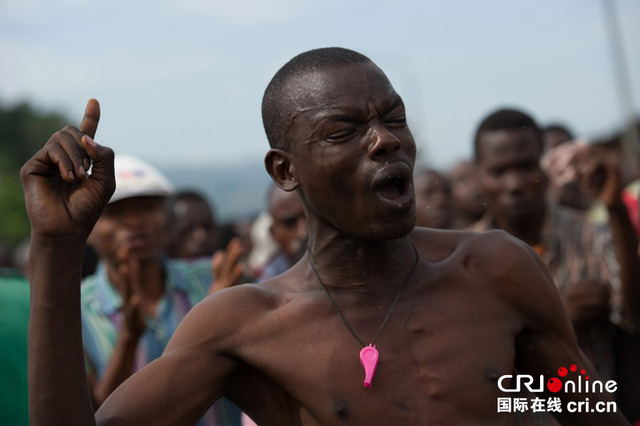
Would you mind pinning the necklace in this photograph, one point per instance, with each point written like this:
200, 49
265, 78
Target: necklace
369, 354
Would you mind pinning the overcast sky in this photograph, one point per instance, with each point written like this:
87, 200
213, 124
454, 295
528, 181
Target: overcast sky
181, 81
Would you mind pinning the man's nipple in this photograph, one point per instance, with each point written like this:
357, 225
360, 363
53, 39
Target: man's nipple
340, 409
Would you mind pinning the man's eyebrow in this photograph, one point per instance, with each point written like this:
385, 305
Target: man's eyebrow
342, 114
338, 114
397, 102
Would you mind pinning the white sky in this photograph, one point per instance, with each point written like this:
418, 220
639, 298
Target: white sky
182, 81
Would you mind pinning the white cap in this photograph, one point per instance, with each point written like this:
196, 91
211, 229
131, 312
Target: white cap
135, 178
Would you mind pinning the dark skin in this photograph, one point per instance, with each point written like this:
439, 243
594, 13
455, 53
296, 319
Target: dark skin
571, 193
194, 232
289, 227
509, 164
599, 173
434, 201
438, 365
514, 183
128, 237
511, 176
468, 198
551, 138
135, 303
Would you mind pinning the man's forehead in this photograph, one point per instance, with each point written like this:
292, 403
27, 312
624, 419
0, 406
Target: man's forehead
495, 145
502, 139
338, 86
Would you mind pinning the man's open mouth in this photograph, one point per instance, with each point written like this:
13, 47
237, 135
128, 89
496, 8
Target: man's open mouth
394, 188
394, 183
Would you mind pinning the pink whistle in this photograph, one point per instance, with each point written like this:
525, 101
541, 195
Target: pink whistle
369, 360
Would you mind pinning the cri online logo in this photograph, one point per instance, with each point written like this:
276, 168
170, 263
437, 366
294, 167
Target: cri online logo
556, 384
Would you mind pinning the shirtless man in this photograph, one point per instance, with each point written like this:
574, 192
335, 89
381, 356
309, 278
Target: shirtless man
450, 312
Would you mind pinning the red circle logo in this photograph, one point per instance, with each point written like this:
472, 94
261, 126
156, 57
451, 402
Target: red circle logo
554, 384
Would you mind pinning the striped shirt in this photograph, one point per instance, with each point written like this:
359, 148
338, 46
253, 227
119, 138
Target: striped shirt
186, 283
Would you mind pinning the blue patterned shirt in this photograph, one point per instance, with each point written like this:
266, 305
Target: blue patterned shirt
187, 283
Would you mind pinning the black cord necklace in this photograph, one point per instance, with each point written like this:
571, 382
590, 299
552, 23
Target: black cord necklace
369, 354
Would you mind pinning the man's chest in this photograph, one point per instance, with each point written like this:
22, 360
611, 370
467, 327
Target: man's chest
435, 359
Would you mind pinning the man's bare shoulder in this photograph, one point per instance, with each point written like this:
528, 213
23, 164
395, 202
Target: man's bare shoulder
493, 258
497, 264
219, 318
227, 316
478, 249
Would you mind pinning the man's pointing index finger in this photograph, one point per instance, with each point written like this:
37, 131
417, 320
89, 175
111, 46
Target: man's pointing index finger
91, 117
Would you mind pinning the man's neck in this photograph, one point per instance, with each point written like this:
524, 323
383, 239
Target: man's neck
362, 265
529, 231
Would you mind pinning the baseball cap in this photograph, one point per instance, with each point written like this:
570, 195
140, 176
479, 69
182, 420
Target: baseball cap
136, 178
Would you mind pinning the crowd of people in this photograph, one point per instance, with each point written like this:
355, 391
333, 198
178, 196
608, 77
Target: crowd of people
542, 186
145, 309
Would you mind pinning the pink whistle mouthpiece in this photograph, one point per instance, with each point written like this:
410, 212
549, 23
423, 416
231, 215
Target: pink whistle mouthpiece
369, 360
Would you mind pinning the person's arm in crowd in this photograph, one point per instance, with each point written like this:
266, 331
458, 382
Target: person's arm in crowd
600, 171
63, 204
121, 363
587, 302
227, 266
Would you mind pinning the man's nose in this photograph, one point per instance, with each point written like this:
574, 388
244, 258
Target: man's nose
514, 182
199, 234
132, 217
382, 142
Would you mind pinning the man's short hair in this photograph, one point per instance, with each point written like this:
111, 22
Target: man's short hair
559, 128
506, 119
274, 107
190, 196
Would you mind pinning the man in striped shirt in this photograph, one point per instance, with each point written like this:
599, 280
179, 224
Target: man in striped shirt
594, 267
134, 302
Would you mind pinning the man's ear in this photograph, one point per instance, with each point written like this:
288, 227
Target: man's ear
280, 169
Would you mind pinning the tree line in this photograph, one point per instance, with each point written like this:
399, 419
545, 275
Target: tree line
23, 130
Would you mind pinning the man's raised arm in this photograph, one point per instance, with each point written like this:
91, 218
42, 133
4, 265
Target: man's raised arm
63, 203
